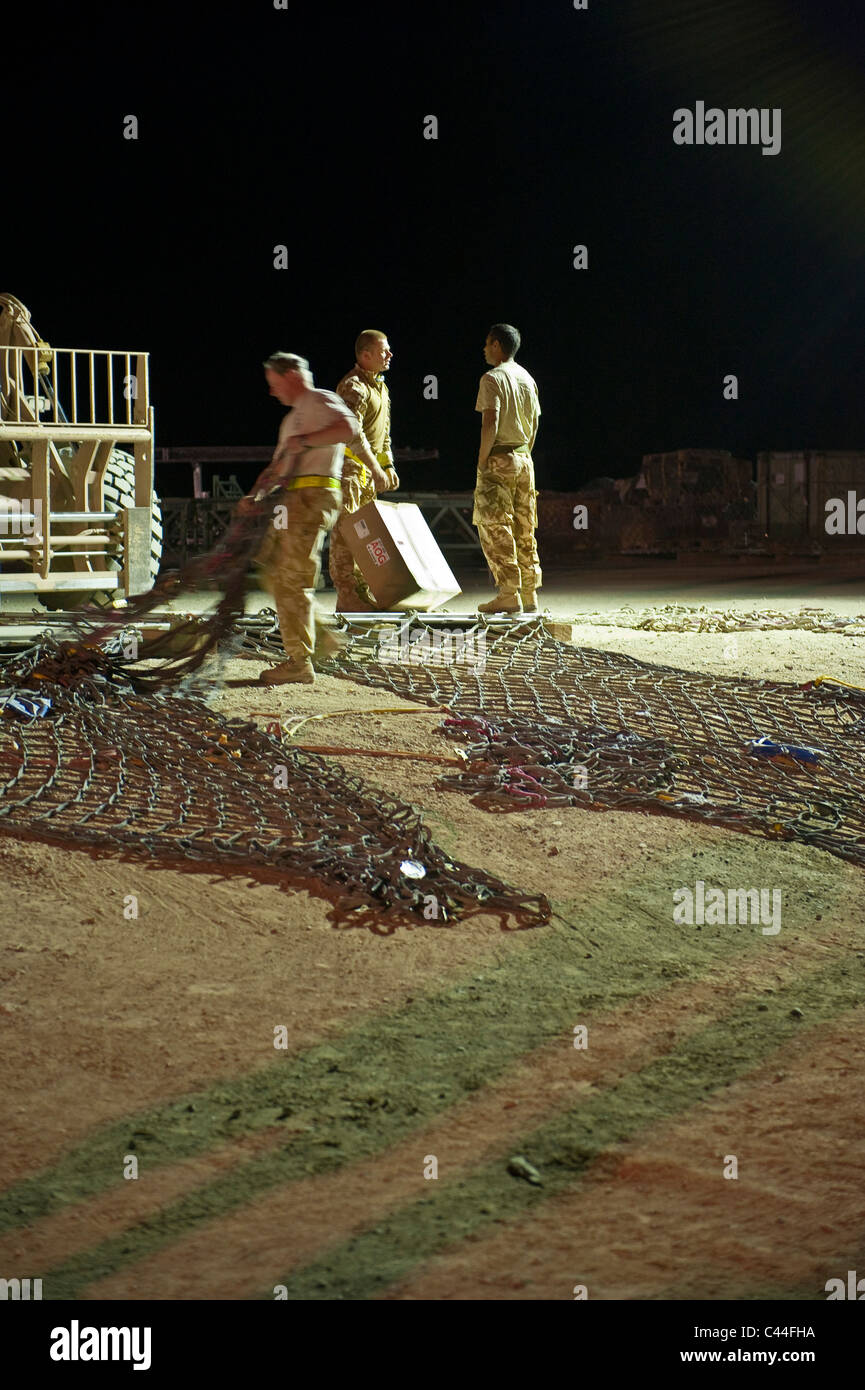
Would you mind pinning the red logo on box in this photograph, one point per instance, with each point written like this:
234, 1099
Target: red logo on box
378, 552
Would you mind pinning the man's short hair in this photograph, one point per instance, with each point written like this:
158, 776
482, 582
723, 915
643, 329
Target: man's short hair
282, 362
507, 337
366, 339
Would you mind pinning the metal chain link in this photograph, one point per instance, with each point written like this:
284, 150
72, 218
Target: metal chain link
164, 774
550, 724
680, 617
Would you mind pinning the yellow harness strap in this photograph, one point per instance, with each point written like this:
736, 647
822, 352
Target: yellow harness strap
354, 458
382, 458
313, 480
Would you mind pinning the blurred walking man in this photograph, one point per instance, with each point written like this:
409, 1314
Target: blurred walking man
305, 469
506, 502
368, 467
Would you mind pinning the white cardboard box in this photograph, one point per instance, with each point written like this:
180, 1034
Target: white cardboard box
398, 556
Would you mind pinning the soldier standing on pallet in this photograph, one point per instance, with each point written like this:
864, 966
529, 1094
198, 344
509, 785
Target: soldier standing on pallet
506, 503
368, 467
306, 467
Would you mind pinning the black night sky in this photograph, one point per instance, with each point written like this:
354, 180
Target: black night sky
304, 126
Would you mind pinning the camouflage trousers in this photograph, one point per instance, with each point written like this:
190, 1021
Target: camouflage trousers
358, 488
506, 515
291, 559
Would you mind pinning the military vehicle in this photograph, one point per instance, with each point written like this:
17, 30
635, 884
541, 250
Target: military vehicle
79, 520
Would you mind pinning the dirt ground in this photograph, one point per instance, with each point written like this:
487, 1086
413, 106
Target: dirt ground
705, 1142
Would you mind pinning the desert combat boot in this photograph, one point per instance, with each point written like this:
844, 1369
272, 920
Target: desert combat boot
289, 672
502, 603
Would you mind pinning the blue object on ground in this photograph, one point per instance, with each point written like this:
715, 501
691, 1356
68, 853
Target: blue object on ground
33, 706
767, 748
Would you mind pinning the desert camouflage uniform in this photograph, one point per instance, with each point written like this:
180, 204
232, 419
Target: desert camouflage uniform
506, 515
290, 556
367, 396
291, 559
506, 501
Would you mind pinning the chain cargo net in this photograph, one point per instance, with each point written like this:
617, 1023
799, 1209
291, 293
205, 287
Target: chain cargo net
680, 617
549, 724
87, 759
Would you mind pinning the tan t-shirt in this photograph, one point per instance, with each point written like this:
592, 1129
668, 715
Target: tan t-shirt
316, 410
515, 392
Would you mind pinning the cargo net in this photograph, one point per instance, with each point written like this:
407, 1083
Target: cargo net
550, 724
86, 759
680, 617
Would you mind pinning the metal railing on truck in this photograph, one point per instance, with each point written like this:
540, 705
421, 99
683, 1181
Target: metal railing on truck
83, 402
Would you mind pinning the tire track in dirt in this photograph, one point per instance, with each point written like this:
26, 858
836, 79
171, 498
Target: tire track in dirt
225, 1259
133, 1201
566, 1147
82, 1174
661, 1221
260, 1094
666, 1084
143, 1041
